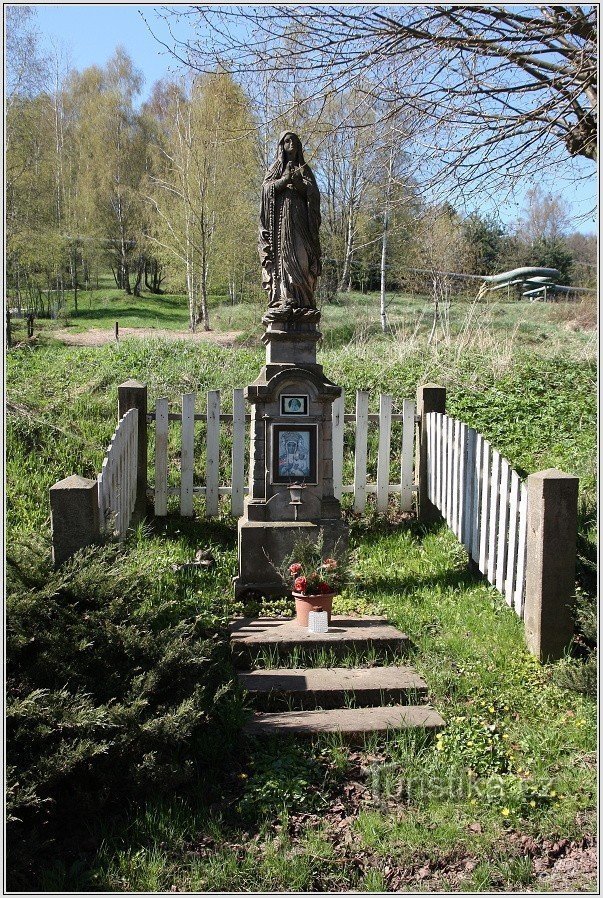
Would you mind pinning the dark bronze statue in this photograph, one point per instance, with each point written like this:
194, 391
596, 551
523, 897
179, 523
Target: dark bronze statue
289, 245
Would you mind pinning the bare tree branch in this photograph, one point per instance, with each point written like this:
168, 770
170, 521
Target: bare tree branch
493, 91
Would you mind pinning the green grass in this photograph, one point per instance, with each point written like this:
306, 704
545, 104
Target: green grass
517, 755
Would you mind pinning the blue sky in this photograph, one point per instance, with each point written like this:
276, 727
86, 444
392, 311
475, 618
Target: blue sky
90, 33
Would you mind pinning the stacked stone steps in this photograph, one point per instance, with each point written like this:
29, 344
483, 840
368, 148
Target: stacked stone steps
309, 689
250, 638
311, 700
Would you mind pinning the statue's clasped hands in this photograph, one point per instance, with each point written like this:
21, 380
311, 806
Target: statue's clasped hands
293, 175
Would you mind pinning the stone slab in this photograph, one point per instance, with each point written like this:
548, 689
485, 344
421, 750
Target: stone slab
249, 637
328, 687
347, 721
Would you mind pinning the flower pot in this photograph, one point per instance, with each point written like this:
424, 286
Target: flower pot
305, 604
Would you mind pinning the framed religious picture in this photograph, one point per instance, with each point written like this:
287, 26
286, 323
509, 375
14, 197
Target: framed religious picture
294, 405
294, 453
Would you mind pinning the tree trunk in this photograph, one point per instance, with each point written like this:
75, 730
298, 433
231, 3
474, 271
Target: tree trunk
204, 306
345, 283
126, 276
73, 266
139, 273
192, 304
153, 276
382, 306
436, 310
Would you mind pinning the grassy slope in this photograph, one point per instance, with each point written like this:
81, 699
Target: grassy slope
532, 741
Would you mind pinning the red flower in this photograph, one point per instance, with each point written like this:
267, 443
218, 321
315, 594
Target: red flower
329, 564
300, 584
324, 587
295, 568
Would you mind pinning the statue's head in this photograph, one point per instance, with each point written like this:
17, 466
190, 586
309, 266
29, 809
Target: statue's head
290, 148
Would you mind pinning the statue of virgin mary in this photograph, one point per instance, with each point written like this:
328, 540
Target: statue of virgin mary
288, 244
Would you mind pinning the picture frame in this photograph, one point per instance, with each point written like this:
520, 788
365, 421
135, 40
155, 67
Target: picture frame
294, 453
294, 405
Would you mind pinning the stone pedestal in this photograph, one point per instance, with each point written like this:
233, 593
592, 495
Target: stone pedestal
291, 442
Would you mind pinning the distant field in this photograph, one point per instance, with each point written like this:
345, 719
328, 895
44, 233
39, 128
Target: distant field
547, 328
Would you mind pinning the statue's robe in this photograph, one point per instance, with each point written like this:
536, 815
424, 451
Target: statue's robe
288, 241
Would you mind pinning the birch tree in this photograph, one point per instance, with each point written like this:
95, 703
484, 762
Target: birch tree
205, 177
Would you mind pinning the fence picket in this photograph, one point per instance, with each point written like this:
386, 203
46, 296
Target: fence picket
126, 479
454, 511
238, 453
437, 457
510, 574
212, 469
360, 455
462, 470
125, 485
123, 495
493, 516
406, 465
468, 487
521, 550
128, 467
161, 457
134, 460
101, 501
187, 455
119, 480
448, 470
385, 430
430, 456
477, 495
503, 518
338, 423
485, 507
442, 425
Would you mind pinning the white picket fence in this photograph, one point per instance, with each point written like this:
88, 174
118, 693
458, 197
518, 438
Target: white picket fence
117, 480
483, 501
361, 487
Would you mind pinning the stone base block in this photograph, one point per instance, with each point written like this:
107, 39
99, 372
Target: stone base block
264, 544
74, 516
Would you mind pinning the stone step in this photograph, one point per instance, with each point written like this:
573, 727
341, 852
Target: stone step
350, 722
250, 637
311, 688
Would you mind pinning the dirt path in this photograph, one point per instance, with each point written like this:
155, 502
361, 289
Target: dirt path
97, 337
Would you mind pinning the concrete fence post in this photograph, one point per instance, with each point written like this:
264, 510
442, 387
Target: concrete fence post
550, 562
133, 394
430, 398
74, 516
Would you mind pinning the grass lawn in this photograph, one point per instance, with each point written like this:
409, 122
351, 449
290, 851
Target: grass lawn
506, 789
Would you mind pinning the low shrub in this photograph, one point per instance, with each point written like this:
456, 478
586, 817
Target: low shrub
110, 696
